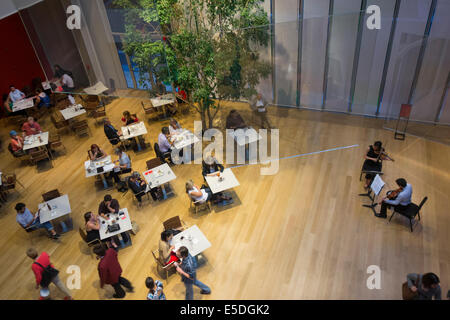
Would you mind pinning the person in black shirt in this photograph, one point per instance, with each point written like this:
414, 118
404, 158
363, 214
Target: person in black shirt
111, 133
109, 206
138, 186
373, 161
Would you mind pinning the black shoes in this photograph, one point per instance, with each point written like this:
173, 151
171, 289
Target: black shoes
205, 292
379, 215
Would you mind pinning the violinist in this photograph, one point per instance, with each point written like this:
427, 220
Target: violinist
399, 198
373, 161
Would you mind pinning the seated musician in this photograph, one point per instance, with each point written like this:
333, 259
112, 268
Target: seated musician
400, 201
374, 157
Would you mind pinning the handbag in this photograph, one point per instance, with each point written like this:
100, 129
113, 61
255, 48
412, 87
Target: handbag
48, 274
407, 293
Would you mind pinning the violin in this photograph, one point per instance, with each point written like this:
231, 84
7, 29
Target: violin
384, 156
392, 194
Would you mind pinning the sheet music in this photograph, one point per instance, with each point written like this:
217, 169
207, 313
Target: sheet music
377, 184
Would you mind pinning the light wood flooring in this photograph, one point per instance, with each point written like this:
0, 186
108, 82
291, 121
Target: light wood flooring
299, 234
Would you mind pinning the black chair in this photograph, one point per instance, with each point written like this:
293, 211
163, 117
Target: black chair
412, 210
161, 155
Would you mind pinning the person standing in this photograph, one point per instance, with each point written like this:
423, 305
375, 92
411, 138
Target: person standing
42, 279
110, 271
260, 108
187, 270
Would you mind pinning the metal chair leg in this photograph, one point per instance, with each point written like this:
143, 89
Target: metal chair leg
391, 216
410, 224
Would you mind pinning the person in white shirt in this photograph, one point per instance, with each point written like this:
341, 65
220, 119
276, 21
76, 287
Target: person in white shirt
400, 203
260, 108
198, 194
15, 94
174, 127
67, 82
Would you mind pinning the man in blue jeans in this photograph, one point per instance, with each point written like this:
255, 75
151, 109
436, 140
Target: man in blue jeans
28, 221
187, 270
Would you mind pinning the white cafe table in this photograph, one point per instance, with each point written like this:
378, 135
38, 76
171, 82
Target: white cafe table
184, 139
163, 101
122, 218
33, 141
132, 131
228, 181
159, 175
193, 239
91, 167
22, 104
59, 207
72, 111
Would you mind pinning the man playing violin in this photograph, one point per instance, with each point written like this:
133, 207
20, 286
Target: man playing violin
399, 198
373, 161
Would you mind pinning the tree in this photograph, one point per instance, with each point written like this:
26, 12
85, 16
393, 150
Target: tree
209, 48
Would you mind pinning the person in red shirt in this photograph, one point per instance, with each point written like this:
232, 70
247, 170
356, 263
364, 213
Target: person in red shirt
31, 127
44, 261
110, 271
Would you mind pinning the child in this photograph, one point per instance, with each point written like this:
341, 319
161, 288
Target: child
155, 289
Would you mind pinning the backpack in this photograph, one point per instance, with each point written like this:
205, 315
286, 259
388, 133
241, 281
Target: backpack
48, 274
122, 187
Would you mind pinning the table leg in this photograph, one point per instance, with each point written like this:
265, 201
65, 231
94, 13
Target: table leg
138, 144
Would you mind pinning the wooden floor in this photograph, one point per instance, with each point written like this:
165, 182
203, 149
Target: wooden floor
299, 234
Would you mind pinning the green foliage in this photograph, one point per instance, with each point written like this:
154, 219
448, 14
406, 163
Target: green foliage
207, 47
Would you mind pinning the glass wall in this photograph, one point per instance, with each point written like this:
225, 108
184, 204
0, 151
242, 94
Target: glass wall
320, 55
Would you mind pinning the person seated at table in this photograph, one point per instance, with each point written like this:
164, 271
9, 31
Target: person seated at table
7, 104
31, 127
138, 186
92, 225
67, 83
16, 144
15, 94
181, 95
96, 153
164, 143
155, 289
42, 99
174, 127
235, 121
108, 206
203, 194
59, 71
30, 222
210, 167
122, 165
160, 87
111, 133
129, 118
166, 253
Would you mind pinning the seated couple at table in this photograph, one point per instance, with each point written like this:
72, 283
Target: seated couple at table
203, 194
139, 187
106, 207
166, 248
31, 222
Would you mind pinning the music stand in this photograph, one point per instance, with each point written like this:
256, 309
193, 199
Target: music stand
369, 192
376, 186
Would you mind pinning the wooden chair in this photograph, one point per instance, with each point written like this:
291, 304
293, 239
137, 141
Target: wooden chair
153, 163
39, 155
50, 195
90, 244
18, 120
91, 103
54, 141
81, 127
9, 182
23, 157
58, 123
62, 104
199, 205
174, 223
99, 113
153, 113
411, 212
161, 266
